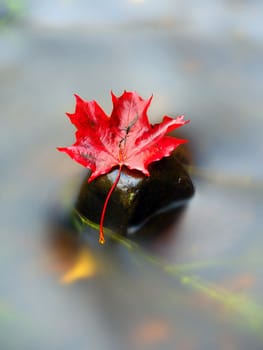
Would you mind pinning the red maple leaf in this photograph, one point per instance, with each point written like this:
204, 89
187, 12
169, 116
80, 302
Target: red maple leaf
125, 138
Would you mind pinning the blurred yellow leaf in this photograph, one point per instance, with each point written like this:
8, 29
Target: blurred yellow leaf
83, 267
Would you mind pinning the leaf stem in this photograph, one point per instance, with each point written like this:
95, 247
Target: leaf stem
101, 238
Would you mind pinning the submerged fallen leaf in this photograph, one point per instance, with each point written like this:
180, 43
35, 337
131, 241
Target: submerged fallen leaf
241, 283
152, 332
84, 267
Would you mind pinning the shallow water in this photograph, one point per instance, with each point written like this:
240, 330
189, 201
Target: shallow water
197, 283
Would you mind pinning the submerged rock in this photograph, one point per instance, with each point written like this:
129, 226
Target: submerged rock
137, 198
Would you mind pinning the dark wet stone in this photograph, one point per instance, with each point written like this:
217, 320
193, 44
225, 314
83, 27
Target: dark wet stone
137, 198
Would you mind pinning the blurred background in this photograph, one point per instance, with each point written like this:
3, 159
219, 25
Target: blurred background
197, 284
